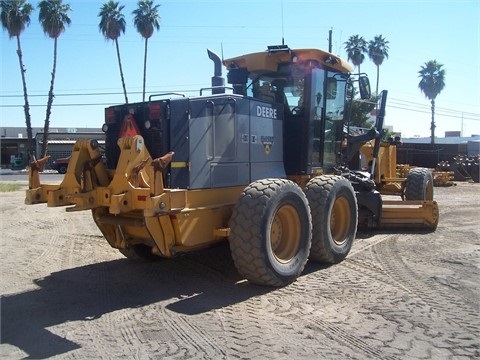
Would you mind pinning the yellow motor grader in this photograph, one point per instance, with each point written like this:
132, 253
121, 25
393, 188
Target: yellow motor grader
266, 162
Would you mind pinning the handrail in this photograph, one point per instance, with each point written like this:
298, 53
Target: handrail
163, 94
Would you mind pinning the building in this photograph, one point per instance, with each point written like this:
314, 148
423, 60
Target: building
13, 141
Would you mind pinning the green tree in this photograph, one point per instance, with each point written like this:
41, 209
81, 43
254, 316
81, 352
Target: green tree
15, 17
377, 52
112, 24
53, 18
359, 111
146, 20
356, 47
431, 84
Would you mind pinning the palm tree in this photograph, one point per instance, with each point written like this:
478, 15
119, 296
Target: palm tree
431, 84
146, 19
53, 17
356, 47
377, 52
15, 17
112, 24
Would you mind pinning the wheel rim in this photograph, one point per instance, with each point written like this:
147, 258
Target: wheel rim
340, 220
285, 233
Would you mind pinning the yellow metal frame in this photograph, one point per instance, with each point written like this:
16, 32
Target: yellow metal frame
388, 180
269, 61
131, 205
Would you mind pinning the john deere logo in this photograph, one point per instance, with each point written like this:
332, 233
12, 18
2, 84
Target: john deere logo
267, 142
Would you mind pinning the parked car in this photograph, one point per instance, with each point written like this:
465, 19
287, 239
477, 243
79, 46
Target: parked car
61, 164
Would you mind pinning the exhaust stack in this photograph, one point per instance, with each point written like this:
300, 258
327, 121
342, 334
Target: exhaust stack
218, 82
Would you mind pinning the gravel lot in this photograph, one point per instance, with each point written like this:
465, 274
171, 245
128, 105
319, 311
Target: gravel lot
399, 295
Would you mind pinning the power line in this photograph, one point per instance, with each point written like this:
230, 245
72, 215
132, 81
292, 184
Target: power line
62, 105
403, 103
393, 103
94, 93
459, 115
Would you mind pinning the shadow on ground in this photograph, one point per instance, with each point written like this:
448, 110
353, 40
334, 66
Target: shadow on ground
201, 282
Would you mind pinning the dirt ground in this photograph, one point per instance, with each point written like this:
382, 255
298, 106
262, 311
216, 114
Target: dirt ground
67, 295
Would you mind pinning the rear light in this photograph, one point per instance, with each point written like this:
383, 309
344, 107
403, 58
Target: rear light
109, 115
155, 111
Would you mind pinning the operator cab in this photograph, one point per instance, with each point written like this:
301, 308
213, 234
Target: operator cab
312, 87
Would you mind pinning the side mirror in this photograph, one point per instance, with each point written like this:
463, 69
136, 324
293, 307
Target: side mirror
364, 85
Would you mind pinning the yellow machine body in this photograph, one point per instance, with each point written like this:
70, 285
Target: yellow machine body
165, 142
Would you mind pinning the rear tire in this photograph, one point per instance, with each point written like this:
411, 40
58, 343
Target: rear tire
271, 231
419, 185
335, 217
62, 169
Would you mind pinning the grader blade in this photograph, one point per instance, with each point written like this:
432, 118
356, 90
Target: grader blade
409, 214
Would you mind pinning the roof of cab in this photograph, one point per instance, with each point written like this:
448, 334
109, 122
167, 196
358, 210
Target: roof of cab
269, 60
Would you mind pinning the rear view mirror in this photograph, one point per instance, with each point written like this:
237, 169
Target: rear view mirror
364, 85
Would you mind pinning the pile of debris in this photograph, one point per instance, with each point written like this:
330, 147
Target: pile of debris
463, 168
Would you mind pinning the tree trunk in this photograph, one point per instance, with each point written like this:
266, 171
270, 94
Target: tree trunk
46, 126
26, 107
145, 68
432, 125
121, 71
378, 77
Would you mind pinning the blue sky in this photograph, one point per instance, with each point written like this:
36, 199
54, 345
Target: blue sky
87, 77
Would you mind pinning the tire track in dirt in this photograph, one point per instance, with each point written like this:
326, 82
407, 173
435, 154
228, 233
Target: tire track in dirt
320, 295
156, 330
193, 337
38, 259
248, 331
436, 306
360, 245
337, 334
215, 277
244, 336
196, 306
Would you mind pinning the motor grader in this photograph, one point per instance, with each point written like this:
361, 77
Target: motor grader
266, 161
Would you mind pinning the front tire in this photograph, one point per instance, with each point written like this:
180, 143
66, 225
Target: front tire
271, 231
335, 217
419, 184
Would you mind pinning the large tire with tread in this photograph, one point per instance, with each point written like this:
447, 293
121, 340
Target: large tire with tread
419, 184
334, 210
271, 230
475, 173
140, 253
